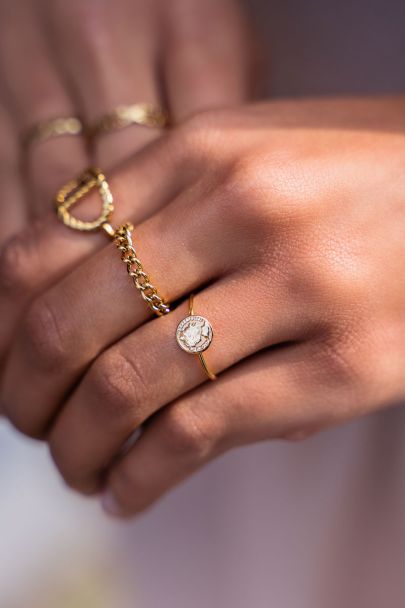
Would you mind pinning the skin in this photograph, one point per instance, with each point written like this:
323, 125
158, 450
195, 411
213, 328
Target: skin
287, 220
85, 57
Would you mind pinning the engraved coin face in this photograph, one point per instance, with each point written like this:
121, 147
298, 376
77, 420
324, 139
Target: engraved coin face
194, 334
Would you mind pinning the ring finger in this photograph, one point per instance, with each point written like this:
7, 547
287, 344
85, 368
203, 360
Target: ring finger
111, 61
147, 370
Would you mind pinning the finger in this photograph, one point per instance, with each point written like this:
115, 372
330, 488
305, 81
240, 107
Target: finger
147, 370
12, 210
115, 45
33, 96
207, 56
47, 250
77, 316
268, 396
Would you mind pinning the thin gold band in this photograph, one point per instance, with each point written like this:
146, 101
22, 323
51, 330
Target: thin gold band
73, 192
143, 114
201, 357
54, 127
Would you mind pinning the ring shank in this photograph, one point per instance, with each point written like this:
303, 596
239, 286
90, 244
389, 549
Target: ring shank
201, 357
207, 370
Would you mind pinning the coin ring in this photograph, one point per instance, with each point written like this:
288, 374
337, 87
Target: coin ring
194, 334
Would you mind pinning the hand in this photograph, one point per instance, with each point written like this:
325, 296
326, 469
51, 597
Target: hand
85, 57
288, 221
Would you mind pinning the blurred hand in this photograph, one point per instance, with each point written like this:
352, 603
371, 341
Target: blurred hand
288, 221
85, 57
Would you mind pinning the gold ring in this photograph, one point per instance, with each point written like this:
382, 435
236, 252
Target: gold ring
54, 127
144, 114
194, 335
71, 193
75, 190
123, 241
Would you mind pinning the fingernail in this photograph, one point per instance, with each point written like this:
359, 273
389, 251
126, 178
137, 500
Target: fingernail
110, 504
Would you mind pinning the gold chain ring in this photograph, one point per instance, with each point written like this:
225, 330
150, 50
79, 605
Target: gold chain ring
123, 241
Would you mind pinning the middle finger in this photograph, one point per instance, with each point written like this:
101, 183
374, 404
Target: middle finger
112, 60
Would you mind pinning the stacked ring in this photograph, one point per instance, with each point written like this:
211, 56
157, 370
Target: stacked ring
194, 334
143, 114
71, 193
53, 127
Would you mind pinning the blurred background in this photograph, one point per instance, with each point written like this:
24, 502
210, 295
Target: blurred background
319, 524
315, 524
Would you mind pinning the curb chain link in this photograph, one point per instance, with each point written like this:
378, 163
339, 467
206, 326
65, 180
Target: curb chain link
141, 280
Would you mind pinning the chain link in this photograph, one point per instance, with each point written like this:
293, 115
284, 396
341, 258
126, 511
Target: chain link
123, 241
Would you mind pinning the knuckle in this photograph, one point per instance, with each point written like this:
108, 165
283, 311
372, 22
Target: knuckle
19, 258
44, 336
272, 190
253, 189
188, 433
14, 272
337, 364
119, 390
344, 361
242, 203
199, 134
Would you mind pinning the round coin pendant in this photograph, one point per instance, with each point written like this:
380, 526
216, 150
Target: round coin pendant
194, 334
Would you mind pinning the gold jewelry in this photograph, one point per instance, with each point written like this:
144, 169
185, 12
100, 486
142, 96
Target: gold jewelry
144, 114
77, 189
54, 127
194, 335
123, 241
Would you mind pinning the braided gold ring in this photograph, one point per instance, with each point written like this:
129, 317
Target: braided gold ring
75, 190
53, 127
143, 114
